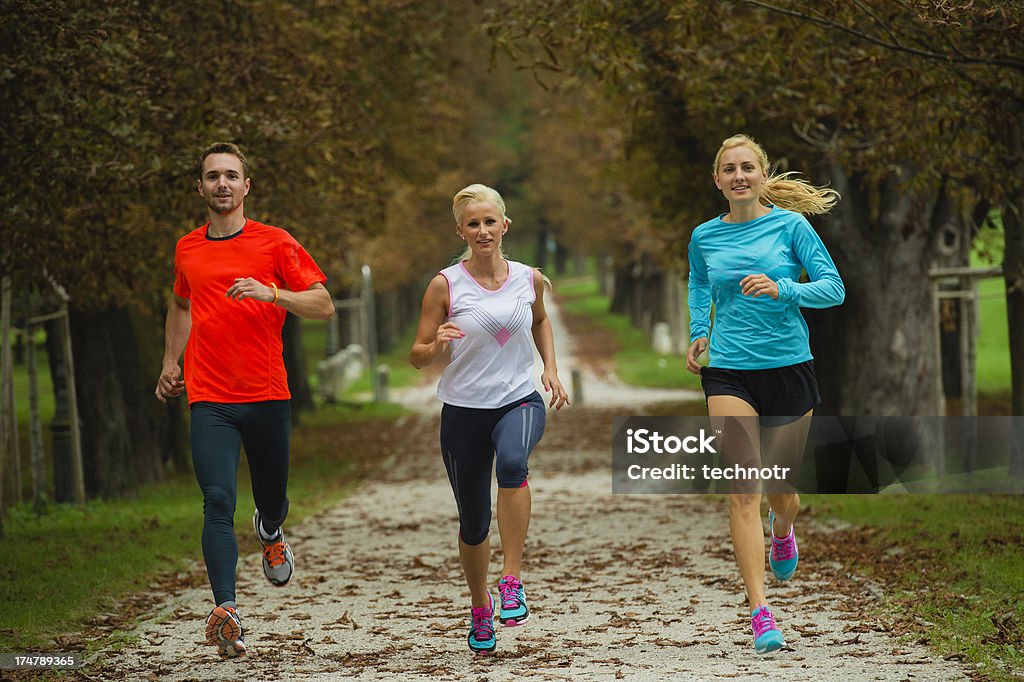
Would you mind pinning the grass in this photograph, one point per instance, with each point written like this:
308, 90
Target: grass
952, 565
993, 364
635, 363
75, 562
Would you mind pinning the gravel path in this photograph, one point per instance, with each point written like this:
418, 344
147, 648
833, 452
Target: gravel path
622, 587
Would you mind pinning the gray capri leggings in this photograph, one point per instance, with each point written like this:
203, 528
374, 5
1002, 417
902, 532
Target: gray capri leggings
472, 439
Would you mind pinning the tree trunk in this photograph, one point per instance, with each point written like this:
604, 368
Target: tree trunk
295, 364
175, 448
622, 289
829, 347
1013, 275
116, 360
541, 249
889, 362
1013, 272
673, 297
561, 258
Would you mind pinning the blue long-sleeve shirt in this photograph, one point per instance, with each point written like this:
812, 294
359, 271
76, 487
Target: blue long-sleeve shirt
758, 332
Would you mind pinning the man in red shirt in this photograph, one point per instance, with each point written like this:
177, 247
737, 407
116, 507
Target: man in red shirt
234, 281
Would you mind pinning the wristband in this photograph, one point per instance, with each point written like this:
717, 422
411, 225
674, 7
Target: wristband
276, 293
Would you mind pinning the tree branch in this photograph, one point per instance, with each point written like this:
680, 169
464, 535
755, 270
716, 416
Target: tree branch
890, 45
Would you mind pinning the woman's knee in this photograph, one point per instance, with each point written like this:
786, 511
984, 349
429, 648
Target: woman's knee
745, 503
474, 531
511, 471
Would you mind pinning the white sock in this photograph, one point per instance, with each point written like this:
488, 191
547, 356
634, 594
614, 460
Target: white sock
267, 536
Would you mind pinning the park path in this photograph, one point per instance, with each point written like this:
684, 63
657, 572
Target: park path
636, 587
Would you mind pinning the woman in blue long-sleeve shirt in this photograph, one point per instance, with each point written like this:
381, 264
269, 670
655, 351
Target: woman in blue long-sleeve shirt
748, 263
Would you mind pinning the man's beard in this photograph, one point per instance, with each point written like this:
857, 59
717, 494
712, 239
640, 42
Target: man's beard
221, 208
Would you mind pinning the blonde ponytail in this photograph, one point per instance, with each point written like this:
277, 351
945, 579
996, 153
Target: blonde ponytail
799, 196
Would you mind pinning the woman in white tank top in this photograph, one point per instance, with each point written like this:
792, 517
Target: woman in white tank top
484, 309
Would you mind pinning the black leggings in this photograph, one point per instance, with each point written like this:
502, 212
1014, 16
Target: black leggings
218, 432
470, 439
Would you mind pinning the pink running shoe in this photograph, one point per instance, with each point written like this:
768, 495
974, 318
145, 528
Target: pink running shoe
481, 631
784, 556
513, 609
766, 635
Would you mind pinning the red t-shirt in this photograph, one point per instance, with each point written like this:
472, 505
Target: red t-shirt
234, 351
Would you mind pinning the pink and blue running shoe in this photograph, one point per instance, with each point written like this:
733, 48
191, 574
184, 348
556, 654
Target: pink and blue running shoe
481, 631
513, 609
783, 556
766, 635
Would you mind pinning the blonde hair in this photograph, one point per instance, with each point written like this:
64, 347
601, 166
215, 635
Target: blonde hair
782, 189
477, 192
468, 195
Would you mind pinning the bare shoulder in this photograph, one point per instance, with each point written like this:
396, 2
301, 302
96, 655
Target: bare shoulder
438, 285
540, 282
437, 292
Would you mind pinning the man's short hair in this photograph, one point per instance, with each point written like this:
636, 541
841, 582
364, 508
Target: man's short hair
224, 148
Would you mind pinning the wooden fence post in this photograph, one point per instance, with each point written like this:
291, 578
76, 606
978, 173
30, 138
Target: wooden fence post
35, 429
6, 406
77, 470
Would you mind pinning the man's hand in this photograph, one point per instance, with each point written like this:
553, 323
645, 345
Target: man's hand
170, 384
247, 287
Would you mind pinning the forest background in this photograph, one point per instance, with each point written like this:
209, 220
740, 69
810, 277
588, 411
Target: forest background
596, 120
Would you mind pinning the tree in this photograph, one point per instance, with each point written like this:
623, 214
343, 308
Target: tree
978, 44
898, 139
107, 107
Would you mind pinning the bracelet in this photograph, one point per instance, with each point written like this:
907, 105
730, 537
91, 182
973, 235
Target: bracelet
276, 293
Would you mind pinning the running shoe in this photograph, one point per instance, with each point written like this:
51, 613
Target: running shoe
224, 631
766, 635
481, 632
783, 557
513, 609
278, 561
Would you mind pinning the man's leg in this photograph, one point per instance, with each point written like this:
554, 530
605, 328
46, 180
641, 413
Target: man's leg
215, 448
216, 444
266, 434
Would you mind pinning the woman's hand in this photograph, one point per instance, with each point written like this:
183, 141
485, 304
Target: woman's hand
695, 350
446, 333
553, 385
755, 285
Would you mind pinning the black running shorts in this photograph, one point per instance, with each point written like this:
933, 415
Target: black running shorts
782, 393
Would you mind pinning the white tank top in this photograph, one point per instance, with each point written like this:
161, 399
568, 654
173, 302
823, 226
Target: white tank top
492, 365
